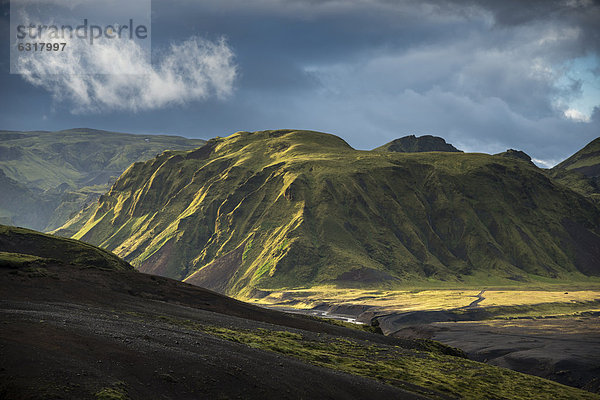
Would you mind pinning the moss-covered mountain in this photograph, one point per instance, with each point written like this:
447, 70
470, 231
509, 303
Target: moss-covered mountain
286, 208
30, 250
413, 144
581, 171
585, 161
47, 177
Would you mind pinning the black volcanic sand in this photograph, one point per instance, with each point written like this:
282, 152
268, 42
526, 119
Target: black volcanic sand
67, 332
565, 350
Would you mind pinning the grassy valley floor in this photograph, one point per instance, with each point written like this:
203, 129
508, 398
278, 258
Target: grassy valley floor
548, 330
429, 299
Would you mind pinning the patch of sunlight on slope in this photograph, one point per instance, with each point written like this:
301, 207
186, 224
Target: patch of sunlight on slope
91, 223
143, 234
159, 240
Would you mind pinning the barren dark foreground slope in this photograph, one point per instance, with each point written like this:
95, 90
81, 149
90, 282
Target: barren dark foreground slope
82, 333
73, 333
76, 322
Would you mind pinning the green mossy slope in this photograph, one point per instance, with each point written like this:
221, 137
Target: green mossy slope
586, 160
276, 209
581, 171
21, 247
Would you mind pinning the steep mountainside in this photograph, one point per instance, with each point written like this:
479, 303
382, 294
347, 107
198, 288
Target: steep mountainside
52, 175
413, 144
581, 171
585, 161
295, 208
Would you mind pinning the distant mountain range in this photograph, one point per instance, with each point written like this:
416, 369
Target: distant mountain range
277, 209
48, 177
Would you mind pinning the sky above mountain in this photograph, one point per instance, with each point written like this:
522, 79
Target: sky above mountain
485, 75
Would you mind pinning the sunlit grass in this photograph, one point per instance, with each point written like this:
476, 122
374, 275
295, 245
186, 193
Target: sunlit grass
506, 302
525, 297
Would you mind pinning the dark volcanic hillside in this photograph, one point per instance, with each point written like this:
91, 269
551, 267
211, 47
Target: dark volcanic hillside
413, 144
50, 176
24, 248
83, 330
286, 208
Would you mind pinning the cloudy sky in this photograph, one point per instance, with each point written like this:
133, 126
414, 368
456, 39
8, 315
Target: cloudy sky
485, 75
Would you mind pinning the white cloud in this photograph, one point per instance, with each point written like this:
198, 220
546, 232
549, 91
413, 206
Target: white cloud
544, 163
118, 75
576, 115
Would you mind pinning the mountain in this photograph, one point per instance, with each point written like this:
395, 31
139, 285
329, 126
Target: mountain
581, 171
413, 144
78, 328
53, 175
516, 154
586, 161
282, 209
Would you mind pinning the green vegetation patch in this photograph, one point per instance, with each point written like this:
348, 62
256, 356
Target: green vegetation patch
117, 391
434, 374
18, 260
541, 310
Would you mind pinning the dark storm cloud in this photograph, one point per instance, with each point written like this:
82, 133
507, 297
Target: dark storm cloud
582, 14
486, 75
